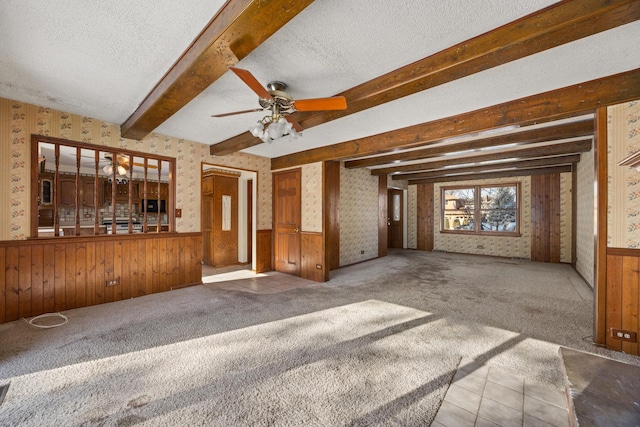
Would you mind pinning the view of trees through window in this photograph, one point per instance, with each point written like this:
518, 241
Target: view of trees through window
480, 209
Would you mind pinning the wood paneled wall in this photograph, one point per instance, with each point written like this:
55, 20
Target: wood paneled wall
622, 297
331, 189
545, 218
264, 251
425, 220
312, 256
50, 275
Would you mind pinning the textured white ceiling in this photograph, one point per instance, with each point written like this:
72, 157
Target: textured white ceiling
332, 46
101, 58
90, 57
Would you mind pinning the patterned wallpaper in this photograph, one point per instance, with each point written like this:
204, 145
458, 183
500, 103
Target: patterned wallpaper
585, 216
519, 247
470, 243
624, 182
312, 197
19, 120
412, 214
402, 184
358, 209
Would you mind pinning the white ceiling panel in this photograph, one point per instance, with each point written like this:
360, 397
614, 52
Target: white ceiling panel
101, 59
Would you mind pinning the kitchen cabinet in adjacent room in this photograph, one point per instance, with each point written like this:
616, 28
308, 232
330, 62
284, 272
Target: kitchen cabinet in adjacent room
67, 191
122, 192
89, 191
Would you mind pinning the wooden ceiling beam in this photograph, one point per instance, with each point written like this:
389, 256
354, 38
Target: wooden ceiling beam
237, 29
556, 104
509, 165
494, 175
573, 147
550, 133
553, 26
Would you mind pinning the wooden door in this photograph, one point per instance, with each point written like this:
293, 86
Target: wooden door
287, 220
396, 220
225, 230
220, 220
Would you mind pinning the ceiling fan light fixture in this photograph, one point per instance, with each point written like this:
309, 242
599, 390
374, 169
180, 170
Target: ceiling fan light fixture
277, 129
266, 138
269, 129
108, 169
257, 129
121, 170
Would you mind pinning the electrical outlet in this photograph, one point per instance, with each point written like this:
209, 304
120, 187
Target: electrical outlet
624, 335
319, 266
362, 252
113, 282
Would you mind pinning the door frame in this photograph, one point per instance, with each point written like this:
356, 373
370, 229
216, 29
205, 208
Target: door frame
243, 233
404, 212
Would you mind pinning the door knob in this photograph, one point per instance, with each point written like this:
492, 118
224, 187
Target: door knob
296, 229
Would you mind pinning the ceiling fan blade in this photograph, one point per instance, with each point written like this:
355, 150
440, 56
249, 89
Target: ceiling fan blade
295, 124
237, 112
319, 104
252, 82
123, 159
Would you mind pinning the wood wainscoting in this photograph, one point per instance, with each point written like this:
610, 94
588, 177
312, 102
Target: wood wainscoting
331, 199
50, 275
264, 251
622, 298
312, 256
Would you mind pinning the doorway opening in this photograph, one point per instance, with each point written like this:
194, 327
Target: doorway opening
396, 218
227, 216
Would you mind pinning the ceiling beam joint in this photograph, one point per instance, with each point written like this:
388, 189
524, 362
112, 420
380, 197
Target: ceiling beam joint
237, 29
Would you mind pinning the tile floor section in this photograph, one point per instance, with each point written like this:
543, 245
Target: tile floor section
486, 396
241, 279
478, 396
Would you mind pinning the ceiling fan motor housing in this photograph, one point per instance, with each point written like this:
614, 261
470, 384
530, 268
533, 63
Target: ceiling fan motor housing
280, 98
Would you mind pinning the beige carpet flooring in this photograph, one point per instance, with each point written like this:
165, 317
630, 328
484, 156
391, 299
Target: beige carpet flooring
377, 345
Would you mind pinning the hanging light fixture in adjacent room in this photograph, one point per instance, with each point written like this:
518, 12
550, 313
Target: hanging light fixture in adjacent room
108, 169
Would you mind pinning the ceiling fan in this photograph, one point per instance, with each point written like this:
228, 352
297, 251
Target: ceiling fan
122, 163
280, 104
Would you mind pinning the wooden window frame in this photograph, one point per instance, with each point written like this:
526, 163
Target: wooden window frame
477, 210
147, 183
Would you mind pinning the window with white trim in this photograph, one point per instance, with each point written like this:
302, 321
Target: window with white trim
481, 209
